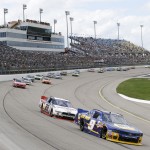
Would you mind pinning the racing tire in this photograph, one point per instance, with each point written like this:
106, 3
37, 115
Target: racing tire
41, 108
81, 125
103, 133
51, 113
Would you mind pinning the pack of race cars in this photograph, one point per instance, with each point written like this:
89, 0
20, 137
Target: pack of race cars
107, 125
29, 79
103, 124
45, 79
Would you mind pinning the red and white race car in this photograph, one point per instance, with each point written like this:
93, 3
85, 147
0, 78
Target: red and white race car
19, 83
59, 107
46, 80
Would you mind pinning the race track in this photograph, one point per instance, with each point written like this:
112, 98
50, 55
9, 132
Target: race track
23, 127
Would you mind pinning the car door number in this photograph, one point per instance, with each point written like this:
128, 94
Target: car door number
45, 107
91, 124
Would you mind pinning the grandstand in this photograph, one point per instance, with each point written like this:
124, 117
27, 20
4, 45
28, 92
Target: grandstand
112, 52
84, 53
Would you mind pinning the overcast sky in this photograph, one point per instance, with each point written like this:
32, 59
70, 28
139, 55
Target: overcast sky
129, 13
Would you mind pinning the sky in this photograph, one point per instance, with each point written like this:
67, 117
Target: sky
129, 13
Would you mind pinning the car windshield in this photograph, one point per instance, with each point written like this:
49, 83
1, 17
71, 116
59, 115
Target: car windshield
39, 75
17, 80
61, 103
114, 118
25, 79
119, 119
29, 76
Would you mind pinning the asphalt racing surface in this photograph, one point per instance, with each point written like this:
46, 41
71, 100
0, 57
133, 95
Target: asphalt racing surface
23, 127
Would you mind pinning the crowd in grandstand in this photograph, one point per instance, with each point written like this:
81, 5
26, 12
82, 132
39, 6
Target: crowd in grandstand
12, 59
113, 52
84, 52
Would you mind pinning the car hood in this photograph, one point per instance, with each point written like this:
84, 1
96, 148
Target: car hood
21, 83
122, 127
65, 109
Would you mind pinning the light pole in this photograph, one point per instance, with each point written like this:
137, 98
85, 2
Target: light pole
71, 19
55, 21
141, 36
41, 11
67, 13
5, 12
24, 7
95, 22
118, 24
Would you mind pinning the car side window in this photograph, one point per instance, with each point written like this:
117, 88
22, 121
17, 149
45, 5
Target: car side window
90, 113
106, 117
100, 116
49, 101
96, 115
54, 102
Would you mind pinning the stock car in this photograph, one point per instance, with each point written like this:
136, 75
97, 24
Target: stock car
59, 107
30, 77
28, 81
38, 77
63, 73
57, 76
108, 125
75, 74
19, 83
91, 70
101, 70
46, 80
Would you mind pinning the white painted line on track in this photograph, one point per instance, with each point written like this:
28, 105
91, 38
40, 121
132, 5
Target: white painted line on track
127, 112
134, 99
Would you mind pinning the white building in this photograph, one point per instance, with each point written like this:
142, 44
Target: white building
31, 35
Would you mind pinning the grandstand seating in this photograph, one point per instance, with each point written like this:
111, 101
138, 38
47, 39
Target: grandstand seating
84, 53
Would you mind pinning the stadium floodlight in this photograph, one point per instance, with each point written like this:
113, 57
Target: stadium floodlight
141, 36
41, 11
5, 12
118, 25
95, 22
55, 21
24, 7
67, 13
71, 19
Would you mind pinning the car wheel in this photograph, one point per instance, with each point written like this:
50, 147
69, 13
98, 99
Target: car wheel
51, 113
81, 125
41, 108
103, 133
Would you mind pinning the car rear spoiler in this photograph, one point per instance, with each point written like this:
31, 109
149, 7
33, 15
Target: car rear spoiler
79, 111
44, 98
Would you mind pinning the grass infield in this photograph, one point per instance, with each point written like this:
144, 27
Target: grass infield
136, 88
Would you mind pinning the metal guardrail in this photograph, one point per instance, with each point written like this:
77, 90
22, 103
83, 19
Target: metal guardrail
68, 67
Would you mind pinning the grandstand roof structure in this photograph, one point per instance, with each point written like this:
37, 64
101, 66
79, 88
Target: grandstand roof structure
31, 35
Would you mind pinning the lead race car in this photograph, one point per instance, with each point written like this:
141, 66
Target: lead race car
59, 107
109, 126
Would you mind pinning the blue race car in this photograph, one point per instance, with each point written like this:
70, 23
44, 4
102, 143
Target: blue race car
109, 126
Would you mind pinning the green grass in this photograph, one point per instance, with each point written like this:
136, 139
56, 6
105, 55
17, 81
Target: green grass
137, 88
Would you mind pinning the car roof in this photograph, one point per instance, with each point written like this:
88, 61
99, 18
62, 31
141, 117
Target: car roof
45, 77
60, 99
107, 112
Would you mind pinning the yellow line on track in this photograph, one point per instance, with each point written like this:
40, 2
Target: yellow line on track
101, 95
